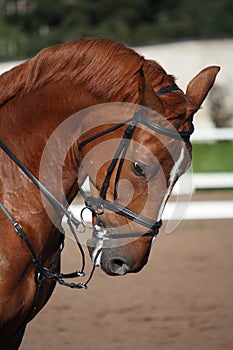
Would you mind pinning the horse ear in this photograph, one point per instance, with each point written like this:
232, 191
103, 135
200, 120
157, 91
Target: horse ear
149, 97
200, 85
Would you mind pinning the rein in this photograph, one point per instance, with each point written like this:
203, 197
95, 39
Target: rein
42, 272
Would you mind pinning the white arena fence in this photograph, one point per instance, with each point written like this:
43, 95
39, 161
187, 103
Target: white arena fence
204, 181
213, 180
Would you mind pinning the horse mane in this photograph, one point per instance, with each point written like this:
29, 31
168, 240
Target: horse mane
105, 67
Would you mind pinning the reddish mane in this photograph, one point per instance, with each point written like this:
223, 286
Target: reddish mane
106, 68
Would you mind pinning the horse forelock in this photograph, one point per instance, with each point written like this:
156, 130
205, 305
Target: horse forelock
107, 69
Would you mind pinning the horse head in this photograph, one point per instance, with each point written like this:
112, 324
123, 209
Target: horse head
133, 165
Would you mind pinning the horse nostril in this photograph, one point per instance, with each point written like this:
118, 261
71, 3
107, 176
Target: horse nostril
118, 266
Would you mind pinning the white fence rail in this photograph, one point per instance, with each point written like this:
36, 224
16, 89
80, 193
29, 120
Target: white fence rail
194, 210
213, 180
214, 134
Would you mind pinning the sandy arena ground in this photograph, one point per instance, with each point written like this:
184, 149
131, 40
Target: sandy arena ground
182, 299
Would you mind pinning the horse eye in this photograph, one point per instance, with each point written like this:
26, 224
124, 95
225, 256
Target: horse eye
137, 168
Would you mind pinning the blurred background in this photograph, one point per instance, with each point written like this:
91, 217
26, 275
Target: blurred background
27, 26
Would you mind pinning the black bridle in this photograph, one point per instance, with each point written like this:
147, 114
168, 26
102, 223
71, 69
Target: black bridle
98, 205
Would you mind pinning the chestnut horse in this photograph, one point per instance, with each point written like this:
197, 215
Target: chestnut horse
37, 97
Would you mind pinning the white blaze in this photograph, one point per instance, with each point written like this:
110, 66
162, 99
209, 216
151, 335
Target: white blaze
172, 177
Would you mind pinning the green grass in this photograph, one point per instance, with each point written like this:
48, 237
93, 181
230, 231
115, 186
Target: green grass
213, 157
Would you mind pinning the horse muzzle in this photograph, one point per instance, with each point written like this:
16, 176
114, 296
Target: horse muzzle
115, 256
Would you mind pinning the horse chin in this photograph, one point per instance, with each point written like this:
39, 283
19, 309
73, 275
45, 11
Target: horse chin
115, 262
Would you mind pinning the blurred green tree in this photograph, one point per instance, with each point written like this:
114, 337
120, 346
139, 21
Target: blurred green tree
27, 26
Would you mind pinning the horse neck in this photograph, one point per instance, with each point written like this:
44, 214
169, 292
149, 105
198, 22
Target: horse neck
27, 123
